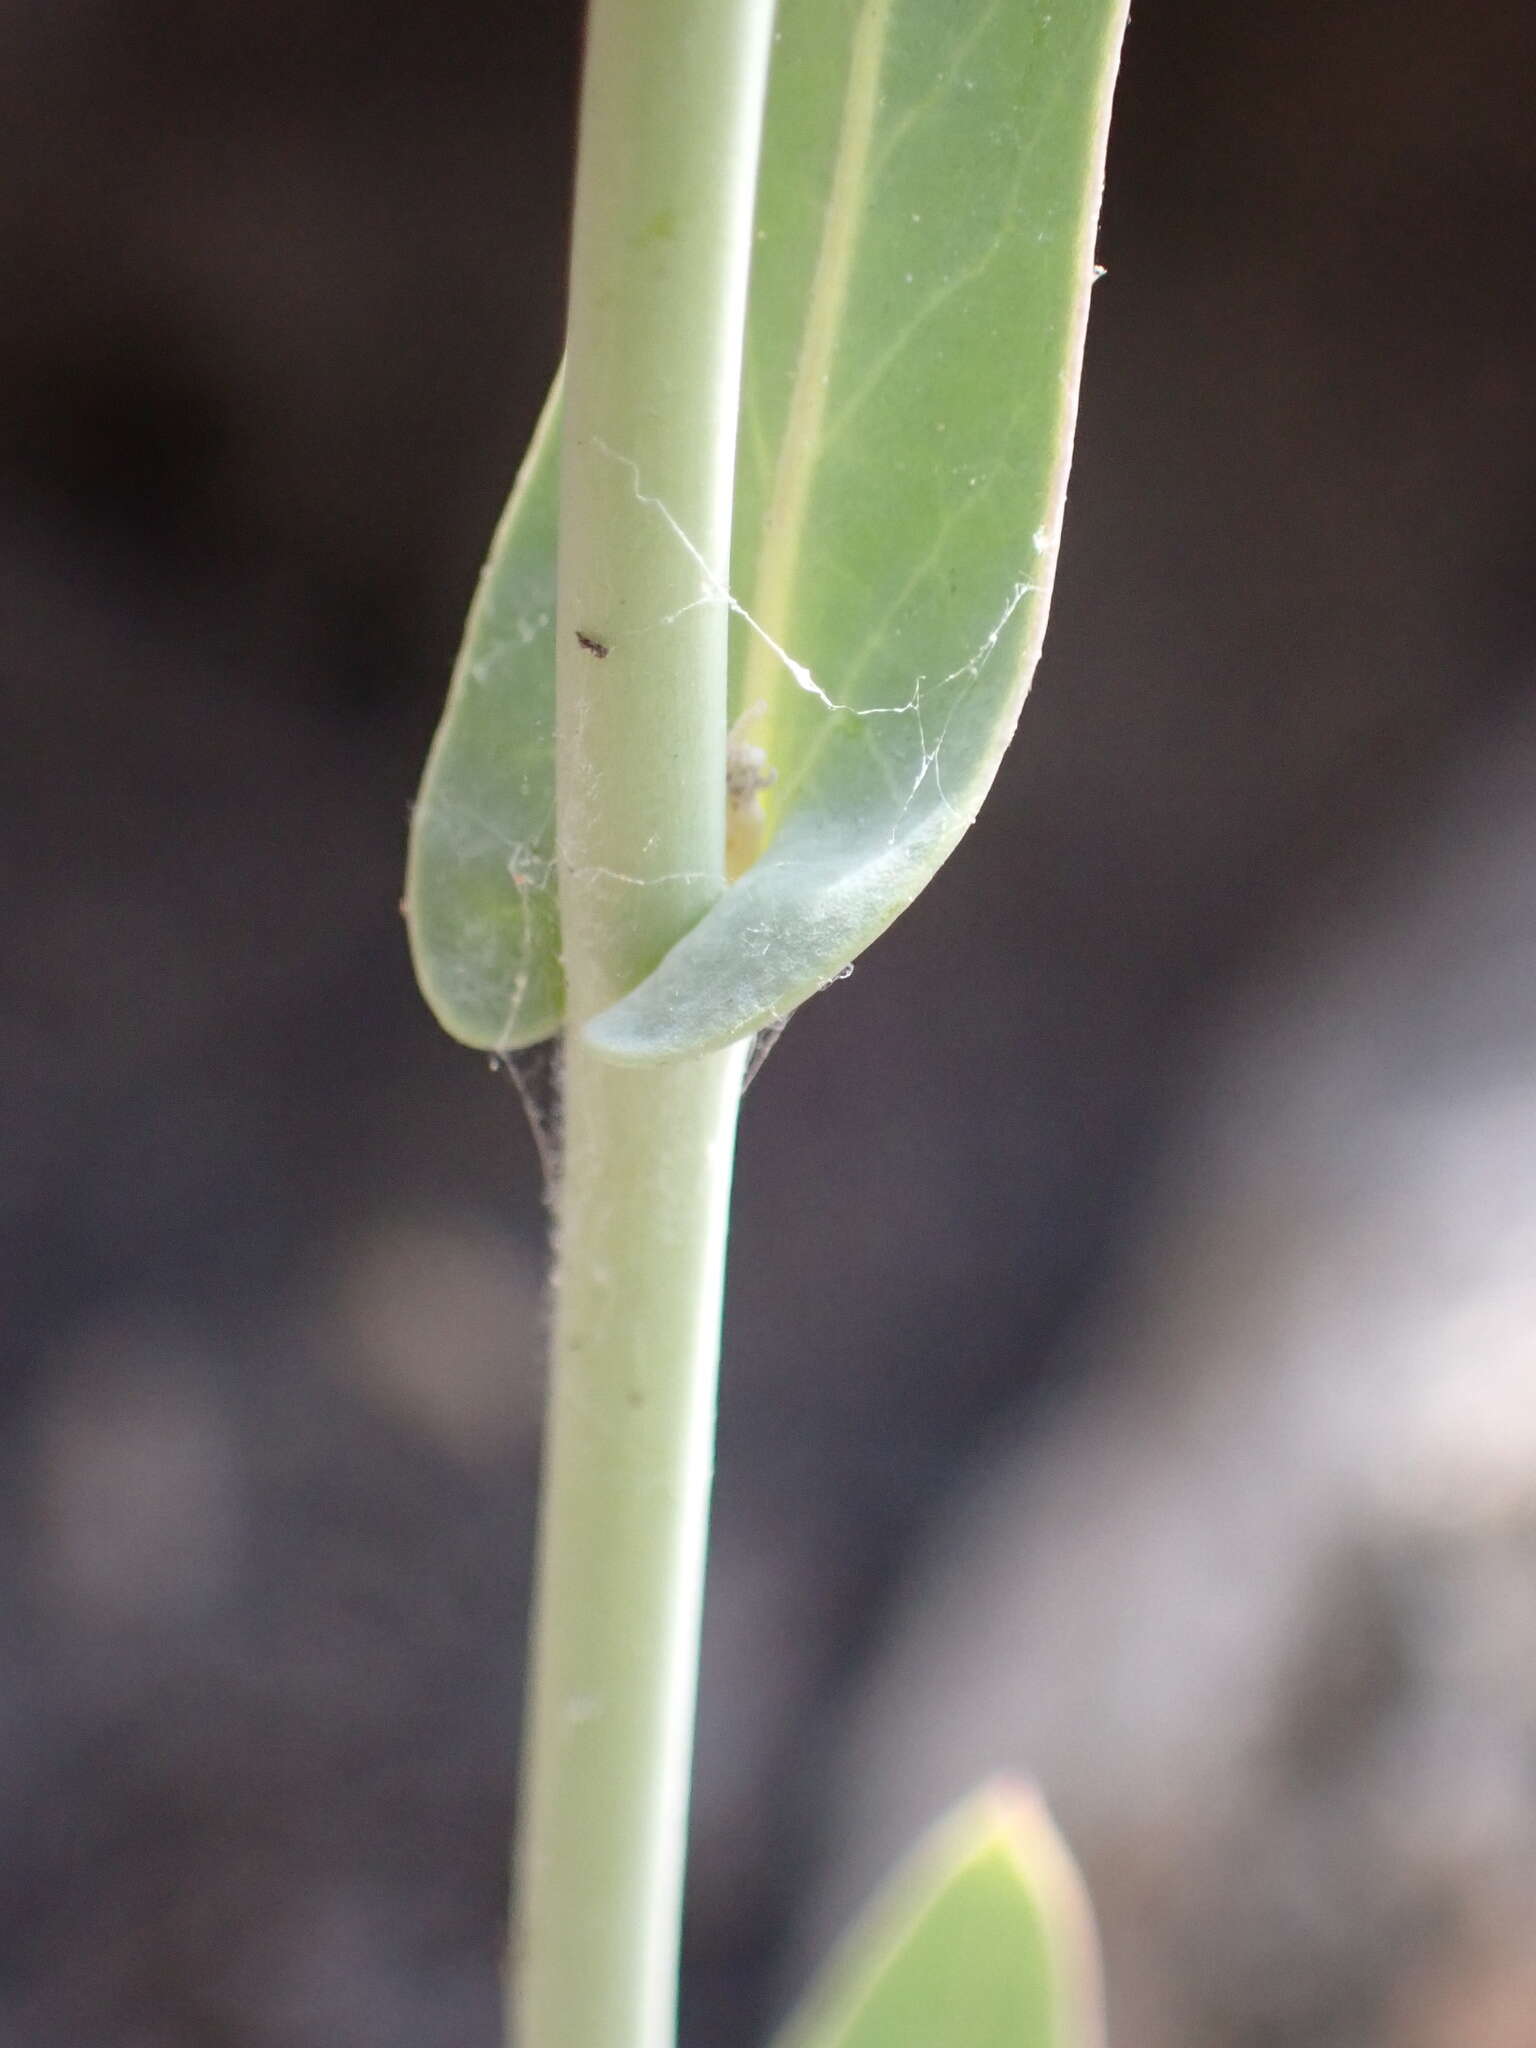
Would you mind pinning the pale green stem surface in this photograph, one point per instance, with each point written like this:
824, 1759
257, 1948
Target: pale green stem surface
671, 112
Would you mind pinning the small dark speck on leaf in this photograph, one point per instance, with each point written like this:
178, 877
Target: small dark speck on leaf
597, 647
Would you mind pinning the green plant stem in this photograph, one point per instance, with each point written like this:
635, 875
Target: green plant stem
670, 126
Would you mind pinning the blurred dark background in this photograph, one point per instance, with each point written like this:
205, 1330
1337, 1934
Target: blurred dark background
1236, 974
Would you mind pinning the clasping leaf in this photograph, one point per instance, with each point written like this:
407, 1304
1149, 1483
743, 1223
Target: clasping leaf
923, 258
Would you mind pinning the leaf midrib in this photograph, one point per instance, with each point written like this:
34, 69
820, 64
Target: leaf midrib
800, 447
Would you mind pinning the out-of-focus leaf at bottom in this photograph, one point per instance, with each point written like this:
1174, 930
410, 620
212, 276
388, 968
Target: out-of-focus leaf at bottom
983, 1940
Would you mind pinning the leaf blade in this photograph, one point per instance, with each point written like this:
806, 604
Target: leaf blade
481, 908
925, 223
902, 468
982, 1940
